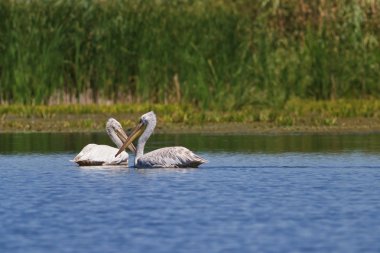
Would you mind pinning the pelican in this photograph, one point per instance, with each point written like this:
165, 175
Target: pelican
95, 155
170, 157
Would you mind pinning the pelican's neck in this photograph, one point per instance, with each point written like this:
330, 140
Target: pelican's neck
115, 139
144, 138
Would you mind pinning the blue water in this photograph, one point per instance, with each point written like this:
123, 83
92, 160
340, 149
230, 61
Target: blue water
323, 199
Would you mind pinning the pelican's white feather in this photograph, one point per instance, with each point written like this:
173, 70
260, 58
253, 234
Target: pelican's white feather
170, 157
95, 155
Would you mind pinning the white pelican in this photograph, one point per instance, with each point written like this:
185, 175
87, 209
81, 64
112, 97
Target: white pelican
171, 157
95, 155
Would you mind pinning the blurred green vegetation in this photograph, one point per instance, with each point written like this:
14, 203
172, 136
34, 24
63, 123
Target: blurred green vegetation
210, 54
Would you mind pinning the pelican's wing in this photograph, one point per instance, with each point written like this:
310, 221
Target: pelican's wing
171, 157
95, 155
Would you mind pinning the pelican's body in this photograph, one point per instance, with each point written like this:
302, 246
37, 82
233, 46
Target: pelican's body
170, 157
98, 155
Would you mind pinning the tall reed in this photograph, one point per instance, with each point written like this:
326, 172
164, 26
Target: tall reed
213, 54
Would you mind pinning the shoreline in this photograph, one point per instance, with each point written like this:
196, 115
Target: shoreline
295, 117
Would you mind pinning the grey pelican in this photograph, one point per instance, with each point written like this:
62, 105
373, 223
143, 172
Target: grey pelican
95, 155
170, 157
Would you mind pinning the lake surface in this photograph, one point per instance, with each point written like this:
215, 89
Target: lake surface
259, 193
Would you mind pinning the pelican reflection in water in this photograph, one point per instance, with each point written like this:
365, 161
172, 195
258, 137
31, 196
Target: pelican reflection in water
95, 155
171, 157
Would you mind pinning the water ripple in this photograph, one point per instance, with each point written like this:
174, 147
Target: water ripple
288, 202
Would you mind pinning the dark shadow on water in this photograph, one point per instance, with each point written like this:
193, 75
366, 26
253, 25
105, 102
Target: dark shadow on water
301, 143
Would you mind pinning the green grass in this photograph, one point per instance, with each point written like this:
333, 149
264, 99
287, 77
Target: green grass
226, 55
294, 113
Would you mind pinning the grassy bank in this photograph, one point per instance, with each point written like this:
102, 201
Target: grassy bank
295, 116
214, 55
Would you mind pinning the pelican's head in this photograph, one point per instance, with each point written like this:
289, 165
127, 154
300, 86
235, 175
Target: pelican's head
117, 134
148, 120
112, 125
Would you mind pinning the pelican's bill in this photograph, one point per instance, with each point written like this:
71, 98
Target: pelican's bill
123, 137
137, 131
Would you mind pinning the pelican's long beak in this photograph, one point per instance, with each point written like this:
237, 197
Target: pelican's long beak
139, 129
124, 137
